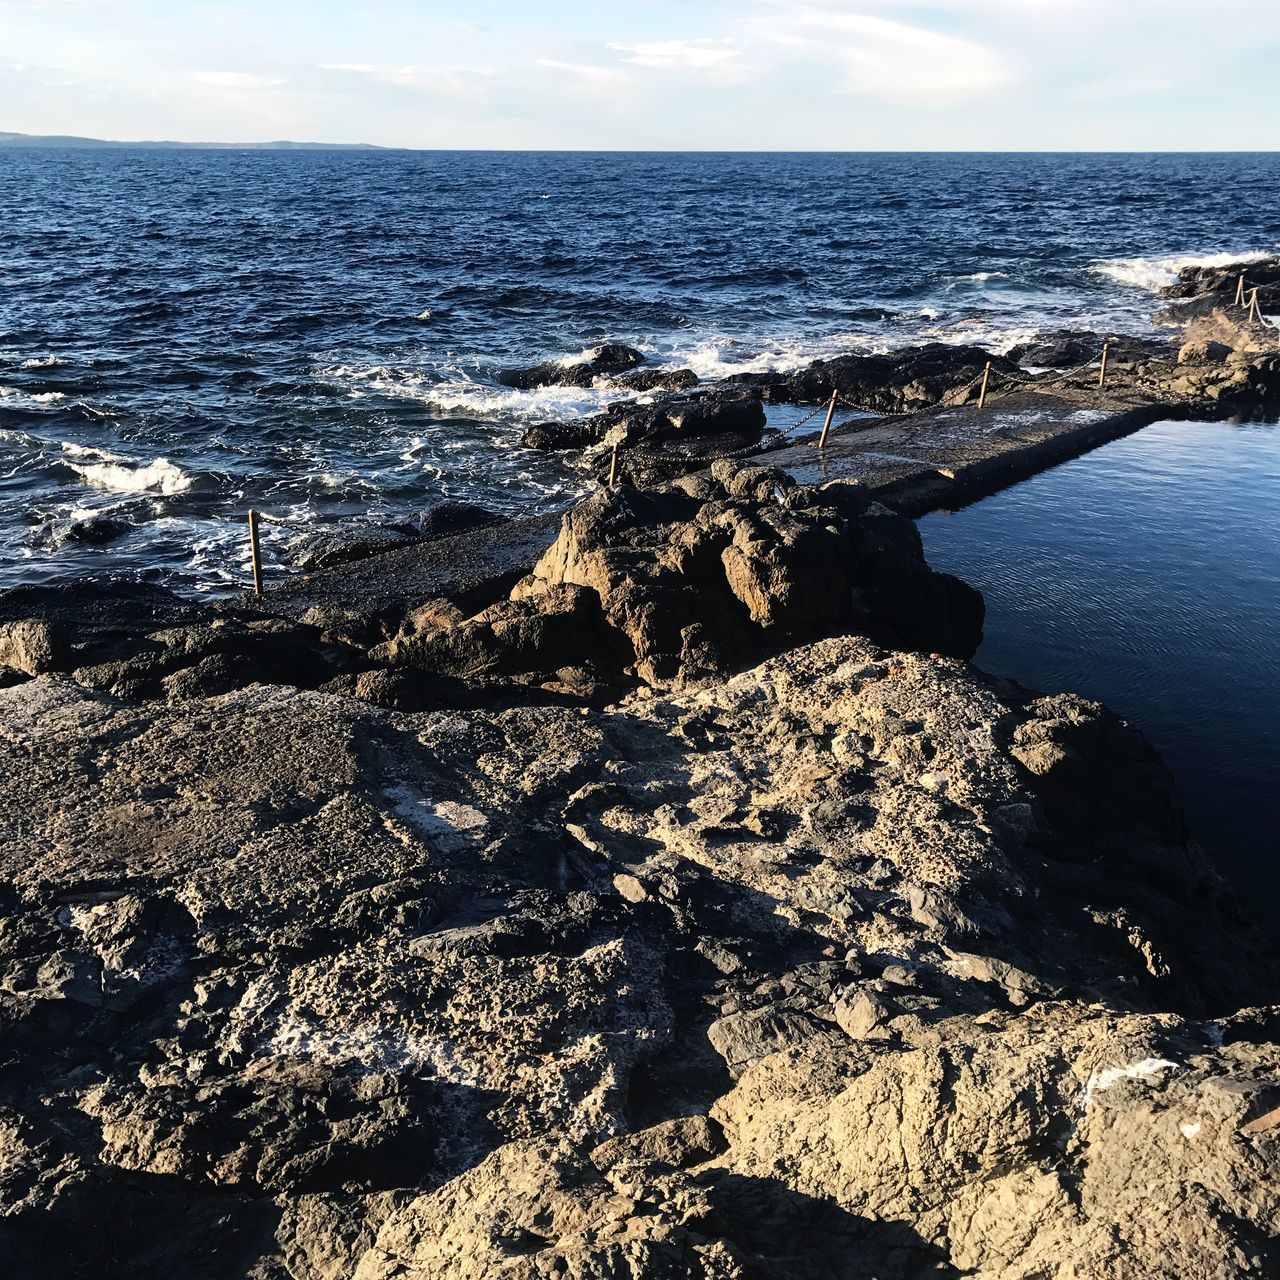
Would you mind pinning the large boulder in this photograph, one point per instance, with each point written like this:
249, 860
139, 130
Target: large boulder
687, 582
607, 361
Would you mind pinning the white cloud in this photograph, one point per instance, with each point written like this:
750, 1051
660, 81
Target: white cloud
454, 82
591, 73
679, 55
885, 58
236, 80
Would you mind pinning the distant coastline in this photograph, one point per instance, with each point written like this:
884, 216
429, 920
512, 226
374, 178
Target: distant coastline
71, 141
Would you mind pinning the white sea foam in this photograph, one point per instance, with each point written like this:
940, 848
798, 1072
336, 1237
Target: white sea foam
467, 398
1154, 274
19, 398
158, 476
43, 362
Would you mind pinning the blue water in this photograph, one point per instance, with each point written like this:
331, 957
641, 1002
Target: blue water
1147, 575
185, 335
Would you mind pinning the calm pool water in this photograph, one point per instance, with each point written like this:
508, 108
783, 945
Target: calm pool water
1147, 575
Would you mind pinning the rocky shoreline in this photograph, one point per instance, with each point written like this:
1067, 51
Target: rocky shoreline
652, 891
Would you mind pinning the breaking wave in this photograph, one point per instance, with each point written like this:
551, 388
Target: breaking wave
1154, 274
116, 475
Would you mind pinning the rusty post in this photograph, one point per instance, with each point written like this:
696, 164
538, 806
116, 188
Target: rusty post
613, 466
1102, 372
826, 426
982, 395
255, 555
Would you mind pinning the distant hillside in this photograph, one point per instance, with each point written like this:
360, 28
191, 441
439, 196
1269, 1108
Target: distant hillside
62, 140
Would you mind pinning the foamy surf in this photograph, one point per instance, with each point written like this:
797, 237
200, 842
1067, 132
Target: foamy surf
159, 476
465, 397
1154, 274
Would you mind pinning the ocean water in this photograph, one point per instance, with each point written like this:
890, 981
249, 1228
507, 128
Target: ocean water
184, 335
1146, 574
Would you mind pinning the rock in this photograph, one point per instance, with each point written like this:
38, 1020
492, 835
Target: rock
670, 436
658, 380
1213, 338
697, 587
862, 1016
1067, 348
449, 516
293, 985
324, 549
32, 646
1221, 283
904, 380
606, 361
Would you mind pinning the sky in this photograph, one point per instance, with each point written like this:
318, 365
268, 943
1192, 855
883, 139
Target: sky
651, 74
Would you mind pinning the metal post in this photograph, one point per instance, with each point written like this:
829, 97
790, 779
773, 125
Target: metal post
1102, 372
613, 466
826, 426
982, 395
255, 555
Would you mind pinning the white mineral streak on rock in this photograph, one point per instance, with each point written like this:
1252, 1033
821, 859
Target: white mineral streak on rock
1100, 1081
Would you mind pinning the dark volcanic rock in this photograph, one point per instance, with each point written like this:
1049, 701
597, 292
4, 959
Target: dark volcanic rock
449, 516
1066, 348
659, 380
668, 437
910, 379
603, 362
1222, 283
1200, 291
326, 548
137, 641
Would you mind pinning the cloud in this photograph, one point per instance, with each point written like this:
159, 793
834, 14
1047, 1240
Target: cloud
236, 80
453, 82
679, 55
590, 73
884, 58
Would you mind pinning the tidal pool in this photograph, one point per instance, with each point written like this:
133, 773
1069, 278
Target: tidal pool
1146, 575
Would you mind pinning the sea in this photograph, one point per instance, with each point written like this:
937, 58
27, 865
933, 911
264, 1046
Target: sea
185, 335
188, 334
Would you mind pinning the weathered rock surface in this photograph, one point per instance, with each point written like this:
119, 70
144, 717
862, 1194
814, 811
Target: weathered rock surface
1066, 348
911, 379
659, 439
856, 963
676, 585
606, 361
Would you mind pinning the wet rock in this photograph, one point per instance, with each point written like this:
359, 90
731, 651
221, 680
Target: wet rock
450, 516
323, 550
605, 361
911, 379
1067, 348
668, 437
658, 380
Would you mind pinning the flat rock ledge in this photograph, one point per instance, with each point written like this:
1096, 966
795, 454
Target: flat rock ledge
857, 962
